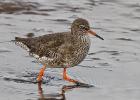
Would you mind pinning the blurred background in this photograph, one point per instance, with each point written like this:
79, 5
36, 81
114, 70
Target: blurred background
112, 65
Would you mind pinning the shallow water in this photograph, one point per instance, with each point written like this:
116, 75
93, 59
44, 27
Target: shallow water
112, 66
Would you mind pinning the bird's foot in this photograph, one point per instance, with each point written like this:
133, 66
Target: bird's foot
80, 84
77, 83
67, 78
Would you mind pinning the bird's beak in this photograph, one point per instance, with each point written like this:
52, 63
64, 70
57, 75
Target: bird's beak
94, 33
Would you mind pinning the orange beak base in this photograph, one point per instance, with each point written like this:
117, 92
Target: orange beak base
94, 33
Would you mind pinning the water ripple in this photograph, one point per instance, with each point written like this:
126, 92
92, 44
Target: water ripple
14, 7
30, 78
106, 51
125, 39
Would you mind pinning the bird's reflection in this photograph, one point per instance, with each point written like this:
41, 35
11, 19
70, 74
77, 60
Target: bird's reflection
53, 96
58, 96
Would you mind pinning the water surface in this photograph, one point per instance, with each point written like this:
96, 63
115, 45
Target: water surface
112, 66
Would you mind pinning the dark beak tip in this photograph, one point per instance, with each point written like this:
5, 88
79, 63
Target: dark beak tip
99, 37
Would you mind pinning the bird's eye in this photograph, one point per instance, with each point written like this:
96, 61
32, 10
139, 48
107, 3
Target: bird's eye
82, 26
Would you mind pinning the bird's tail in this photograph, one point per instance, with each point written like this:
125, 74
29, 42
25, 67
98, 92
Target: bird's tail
18, 39
21, 42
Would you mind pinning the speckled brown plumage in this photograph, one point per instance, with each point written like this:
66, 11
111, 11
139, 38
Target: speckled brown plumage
60, 50
64, 49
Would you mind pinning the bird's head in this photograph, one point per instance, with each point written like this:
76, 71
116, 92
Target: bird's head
81, 26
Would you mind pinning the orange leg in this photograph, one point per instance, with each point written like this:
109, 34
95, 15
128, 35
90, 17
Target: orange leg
41, 73
67, 78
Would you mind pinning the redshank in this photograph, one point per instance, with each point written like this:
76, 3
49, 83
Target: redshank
60, 50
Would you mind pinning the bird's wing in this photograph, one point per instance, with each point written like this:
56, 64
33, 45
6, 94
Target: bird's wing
51, 45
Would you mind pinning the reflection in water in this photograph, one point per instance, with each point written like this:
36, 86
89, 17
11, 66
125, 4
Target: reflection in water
61, 95
53, 96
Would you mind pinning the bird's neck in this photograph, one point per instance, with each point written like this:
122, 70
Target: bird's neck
78, 32
83, 38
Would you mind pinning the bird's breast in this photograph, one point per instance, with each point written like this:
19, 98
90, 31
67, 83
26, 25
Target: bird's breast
82, 50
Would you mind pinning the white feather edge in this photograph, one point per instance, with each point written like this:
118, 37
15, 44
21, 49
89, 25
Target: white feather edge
22, 45
41, 59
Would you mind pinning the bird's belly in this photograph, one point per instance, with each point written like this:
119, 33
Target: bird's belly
69, 58
77, 57
65, 61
